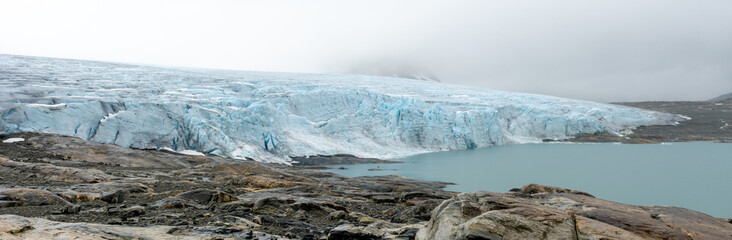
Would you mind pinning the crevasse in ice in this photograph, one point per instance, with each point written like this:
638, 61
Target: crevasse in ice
272, 116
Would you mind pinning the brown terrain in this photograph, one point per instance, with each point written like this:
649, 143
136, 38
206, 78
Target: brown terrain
58, 187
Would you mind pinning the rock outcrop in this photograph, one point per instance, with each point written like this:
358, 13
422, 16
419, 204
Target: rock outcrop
16, 227
118, 190
542, 212
29, 197
51, 172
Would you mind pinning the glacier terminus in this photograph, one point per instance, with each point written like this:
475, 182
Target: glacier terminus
271, 117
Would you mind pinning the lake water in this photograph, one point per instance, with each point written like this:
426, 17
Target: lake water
693, 175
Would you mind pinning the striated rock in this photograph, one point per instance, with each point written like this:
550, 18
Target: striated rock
265, 202
697, 225
262, 182
592, 229
234, 222
351, 232
133, 211
29, 197
380, 230
317, 206
420, 212
541, 212
17, 227
112, 186
464, 217
54, 173
200, 199
406, 197
14, 225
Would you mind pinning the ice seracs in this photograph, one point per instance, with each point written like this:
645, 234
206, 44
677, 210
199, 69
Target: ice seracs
272, 116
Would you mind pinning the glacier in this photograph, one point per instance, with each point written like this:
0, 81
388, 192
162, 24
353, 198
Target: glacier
271, 117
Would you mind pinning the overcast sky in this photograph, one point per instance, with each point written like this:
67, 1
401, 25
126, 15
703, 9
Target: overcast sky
602, 51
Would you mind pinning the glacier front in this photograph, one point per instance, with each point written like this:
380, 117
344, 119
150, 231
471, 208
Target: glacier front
272, 116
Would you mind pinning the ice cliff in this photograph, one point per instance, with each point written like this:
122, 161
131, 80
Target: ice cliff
271, 116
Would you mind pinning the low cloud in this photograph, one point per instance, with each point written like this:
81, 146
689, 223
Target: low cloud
597, 50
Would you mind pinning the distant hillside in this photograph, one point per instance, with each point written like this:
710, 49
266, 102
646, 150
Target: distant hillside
722, 98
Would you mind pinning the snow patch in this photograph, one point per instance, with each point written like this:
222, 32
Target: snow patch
626, 132
59, 106
111, 115
12, 140
184, 152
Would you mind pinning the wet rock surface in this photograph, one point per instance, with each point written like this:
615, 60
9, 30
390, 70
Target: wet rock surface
103, 191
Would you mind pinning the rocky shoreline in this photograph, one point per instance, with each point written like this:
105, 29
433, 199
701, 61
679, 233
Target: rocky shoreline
63, 187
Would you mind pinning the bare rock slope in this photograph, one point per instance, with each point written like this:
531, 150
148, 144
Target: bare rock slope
57, 187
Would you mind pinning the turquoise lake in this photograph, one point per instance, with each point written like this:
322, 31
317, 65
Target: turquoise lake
693, 175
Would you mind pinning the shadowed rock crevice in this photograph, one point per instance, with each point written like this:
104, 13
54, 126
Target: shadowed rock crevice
576, 229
